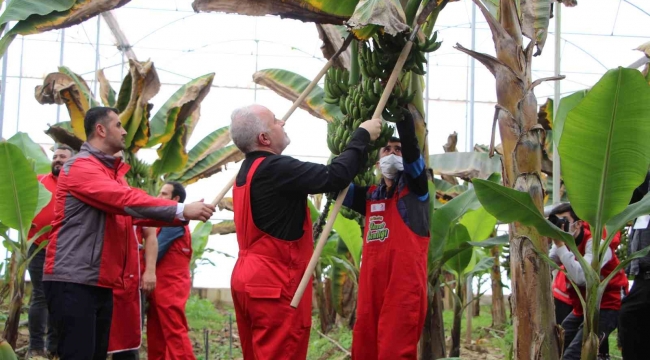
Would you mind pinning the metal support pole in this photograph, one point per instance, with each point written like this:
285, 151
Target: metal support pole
20, 81
556, 102
257, 52
58, 107
96, 56
472, 69
230, 332
3, 81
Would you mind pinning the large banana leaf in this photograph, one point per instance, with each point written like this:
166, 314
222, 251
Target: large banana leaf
62, 133
566, 105
42, 164
350, 233
82, 85
179, 108
60, 88
170, 124
106, 92
604, 146
200, 237
211, 164
444, 219
369, 15
142, 84
479, 224
535, 19
171, 155
20, 201
465, 164
457, 238
21, 10
209, 144
319, 11
49, 15
509, 205
290, 85
223, 228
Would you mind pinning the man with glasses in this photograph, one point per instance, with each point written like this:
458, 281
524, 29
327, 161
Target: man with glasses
566, 219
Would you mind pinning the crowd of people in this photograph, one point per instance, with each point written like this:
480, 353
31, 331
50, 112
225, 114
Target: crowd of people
113, 247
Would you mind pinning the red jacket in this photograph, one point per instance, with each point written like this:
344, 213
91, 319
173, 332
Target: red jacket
46, 215
563, 290
94, 217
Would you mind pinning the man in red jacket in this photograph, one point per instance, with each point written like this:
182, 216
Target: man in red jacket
610, 303
274, 230
91, 243
167, 329
37, 317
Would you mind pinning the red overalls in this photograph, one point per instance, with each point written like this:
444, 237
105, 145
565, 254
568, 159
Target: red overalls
392, 300
264, 280
167, 329
126, 326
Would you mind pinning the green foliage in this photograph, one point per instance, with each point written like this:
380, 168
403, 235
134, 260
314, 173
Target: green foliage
200, 237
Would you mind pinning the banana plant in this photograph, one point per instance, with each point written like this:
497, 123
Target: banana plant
523, 140
463, 265
38, 16
200, 237
605, 155
169, 129
23, 197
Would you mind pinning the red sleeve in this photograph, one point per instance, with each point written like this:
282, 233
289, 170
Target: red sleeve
88, 182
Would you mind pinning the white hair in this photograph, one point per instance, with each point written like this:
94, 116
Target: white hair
245, 127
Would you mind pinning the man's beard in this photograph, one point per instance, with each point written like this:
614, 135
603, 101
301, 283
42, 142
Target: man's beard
56, 171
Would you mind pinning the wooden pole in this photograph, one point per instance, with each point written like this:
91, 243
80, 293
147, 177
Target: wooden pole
295, 105
306, 278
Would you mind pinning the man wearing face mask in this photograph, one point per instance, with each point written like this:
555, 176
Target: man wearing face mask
392, 299
566, 219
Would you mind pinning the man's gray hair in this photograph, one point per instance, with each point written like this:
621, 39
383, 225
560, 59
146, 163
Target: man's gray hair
245, 127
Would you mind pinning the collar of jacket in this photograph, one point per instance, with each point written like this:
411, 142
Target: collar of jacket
110, 161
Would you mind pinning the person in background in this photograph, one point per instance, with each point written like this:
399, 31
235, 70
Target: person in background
274, 230
566, 219
37, 317
635, 310
167, 329
91, 247
392, 302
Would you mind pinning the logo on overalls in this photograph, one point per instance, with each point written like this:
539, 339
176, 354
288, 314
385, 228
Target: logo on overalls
377, 230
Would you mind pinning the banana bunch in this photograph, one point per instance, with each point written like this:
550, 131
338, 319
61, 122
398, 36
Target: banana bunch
371, 65
367, 178
389, 47
338, 136
336, 85
358, 104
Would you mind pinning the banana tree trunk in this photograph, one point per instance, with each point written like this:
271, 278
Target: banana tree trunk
458, 314
321, 301
11, 326
523, 139
498, 306
432, 342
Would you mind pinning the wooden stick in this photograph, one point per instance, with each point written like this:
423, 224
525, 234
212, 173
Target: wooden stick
306, 278
347, 353
295, 105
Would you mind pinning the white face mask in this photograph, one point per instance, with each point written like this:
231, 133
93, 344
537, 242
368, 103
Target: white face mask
390, 165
